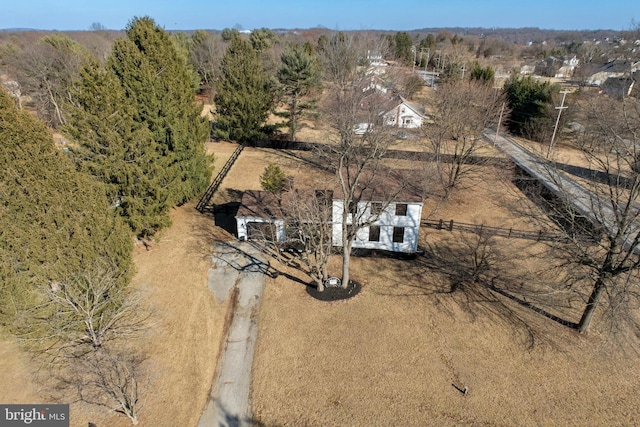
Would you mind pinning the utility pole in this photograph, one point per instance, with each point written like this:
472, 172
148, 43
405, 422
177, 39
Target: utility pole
413, 49
555, 128
426, 62
499, 122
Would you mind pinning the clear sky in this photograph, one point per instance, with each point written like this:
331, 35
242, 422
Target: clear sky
396, 15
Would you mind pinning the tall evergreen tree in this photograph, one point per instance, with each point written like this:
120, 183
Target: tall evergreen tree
139, 129
54, 220
118, 151
403, 47
485, 75
531, 106
245, 94
158, 81
298, 76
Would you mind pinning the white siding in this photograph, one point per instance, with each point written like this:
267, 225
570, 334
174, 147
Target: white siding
387, 220
403, 116
242, 227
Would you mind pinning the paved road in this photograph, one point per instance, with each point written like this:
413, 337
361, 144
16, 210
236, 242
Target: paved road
599, 210
237, 265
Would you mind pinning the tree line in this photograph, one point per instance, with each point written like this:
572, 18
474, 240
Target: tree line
135, 149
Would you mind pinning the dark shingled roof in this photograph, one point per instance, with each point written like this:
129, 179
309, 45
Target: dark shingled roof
383, 186
264, 204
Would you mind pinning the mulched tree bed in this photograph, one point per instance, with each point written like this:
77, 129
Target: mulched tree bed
335, 294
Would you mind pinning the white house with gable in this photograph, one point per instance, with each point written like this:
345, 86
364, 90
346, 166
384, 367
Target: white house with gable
404, 114
391, 227
390, 223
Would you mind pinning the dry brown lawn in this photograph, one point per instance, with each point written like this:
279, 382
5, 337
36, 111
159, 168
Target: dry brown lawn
395, 353
182, 344
390, 356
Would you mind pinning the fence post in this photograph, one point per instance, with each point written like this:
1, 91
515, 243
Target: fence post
440, 224
451, 225
539, 235
510, 230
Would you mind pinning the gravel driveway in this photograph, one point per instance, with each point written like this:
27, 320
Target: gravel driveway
239, 266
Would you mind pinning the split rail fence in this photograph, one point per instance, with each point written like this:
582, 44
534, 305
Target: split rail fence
203, 203
509, 233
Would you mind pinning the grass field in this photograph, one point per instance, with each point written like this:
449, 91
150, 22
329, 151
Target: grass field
396, 354
400, 351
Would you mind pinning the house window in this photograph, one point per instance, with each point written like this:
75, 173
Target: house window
374, 233
401, 209
376, 208
398, 234
408, 121
353, 207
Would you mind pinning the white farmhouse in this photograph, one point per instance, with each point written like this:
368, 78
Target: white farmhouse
383, 225
404, 114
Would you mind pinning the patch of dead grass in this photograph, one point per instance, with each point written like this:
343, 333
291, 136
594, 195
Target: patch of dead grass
182, 345
392, 354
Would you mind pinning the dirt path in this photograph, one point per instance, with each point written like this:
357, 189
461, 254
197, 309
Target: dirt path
239, 274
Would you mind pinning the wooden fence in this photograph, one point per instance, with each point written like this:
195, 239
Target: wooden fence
203, 203
508, 233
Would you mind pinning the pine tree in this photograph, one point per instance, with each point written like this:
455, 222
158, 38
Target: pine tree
273, 179
244, 94
139, 129
54, 220
530, 104
118, 151
298, 75
159, 83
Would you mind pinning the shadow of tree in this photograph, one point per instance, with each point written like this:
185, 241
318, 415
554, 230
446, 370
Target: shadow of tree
471, 272
594, 175
227, 419
243, 257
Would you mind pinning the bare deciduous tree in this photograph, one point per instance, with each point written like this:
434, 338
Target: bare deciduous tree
205, 55
46, 71
356, 159
600, 213
110, 379
82, 314
309, 230
462, 110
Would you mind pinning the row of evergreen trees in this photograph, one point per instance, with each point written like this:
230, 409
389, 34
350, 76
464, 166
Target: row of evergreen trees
138, 129
136, 150
246, 94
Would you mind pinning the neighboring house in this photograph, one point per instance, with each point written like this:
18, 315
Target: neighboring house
551, 67
568, 67
376, 85
597, 74
377, 64
527, 70
375, 59
620, 86
392, 226
404, 114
